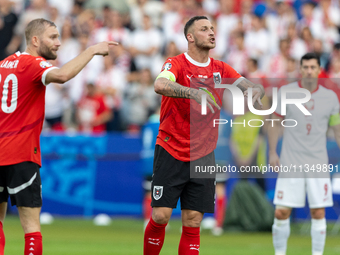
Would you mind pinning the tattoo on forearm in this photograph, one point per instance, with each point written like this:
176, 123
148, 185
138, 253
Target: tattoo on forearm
173, 89
244, 84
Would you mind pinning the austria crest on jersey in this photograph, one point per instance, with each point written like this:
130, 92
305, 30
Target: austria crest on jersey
157, 192
217, 78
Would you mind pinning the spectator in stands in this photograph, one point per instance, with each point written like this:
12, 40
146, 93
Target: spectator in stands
171, 22
37, 9
114, 30
145, 44
56, 101
55, 17
86, 24
92, 112
246, 14
78, 84
111, 83
255, 75
292, 70
307, 37
277, 64
277, 24
252, 70
226, 21
70, 46
257, 39
307, 15
326, 19
63, 7
142, 101
297, 47
8, 20
335, 68
318, 48
238, 56
153, 9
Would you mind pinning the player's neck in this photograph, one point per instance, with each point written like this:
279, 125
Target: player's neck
311, 86
32, 52
198, 55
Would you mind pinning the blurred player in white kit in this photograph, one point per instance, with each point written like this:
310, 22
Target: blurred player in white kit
304, 147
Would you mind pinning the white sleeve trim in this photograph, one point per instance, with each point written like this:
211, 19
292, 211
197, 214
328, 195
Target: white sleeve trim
43, 77
238, 81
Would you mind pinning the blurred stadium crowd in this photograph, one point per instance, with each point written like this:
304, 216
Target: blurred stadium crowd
260, 39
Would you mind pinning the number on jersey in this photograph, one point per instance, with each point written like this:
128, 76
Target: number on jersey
9, 107
309, 128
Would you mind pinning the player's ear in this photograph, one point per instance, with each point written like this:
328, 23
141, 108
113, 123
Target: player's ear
35, 41
190, 37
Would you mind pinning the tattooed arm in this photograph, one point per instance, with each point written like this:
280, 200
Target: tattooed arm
168, 88
258, 90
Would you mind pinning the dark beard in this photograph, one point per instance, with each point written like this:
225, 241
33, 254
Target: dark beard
203, 46
46, 53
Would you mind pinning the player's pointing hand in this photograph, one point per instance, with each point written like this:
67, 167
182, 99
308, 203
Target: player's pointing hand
103, 48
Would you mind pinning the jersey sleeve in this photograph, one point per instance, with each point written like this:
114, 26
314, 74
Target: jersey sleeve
39, 68
170, 70
334, 118
232, 74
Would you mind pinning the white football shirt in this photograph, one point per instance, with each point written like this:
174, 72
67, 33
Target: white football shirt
306, 142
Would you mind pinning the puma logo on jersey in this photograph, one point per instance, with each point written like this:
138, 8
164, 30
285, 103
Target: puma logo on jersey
189, 77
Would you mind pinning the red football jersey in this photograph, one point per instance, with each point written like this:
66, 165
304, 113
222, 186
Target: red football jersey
184, 132
22, 90
89, 108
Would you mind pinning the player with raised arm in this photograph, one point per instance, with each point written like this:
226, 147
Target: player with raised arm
304, 147
179, 82
23, 80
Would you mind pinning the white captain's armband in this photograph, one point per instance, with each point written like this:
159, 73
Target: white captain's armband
334, 120
168, 75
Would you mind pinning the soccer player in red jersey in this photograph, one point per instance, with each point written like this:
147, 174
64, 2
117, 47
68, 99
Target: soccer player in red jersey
23, 80
185, 138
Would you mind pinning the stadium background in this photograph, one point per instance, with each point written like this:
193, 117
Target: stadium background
92, 167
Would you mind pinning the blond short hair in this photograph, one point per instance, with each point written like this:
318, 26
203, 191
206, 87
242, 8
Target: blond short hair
36, 28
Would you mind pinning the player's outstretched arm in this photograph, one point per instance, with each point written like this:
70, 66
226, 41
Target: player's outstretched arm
274, 132
73, 67
169, 88
258, 90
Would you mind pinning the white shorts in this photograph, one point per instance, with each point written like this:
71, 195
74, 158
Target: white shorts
291, 192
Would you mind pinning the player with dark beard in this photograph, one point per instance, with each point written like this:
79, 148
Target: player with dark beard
23, 80
186, 138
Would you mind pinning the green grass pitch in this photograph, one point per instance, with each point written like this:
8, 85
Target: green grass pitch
75, 236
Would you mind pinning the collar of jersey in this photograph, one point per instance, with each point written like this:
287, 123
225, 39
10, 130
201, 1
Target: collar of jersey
18, 53
315, 90
195, 62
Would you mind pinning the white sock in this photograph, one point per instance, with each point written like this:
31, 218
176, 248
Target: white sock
318, 233
281, 232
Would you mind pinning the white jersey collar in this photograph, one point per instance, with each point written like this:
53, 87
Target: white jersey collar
194, 62
18, 53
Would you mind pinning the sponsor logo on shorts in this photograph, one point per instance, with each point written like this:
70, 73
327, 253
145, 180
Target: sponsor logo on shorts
157, 192
280, 194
